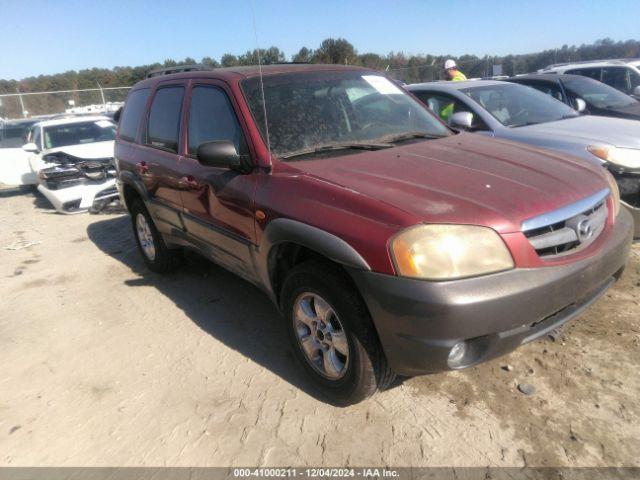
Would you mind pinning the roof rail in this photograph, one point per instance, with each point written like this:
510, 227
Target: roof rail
582, 62
178, 69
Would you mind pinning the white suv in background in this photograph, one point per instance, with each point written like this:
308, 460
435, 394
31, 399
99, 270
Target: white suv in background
623, 75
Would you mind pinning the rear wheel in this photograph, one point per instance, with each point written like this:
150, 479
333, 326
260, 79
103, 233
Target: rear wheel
154, 252
332, 334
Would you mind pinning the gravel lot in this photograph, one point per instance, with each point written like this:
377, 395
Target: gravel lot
104, 363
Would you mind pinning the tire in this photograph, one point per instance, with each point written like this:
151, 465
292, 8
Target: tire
349, 364
151, 246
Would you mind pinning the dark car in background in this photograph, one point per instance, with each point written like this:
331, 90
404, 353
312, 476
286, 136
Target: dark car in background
390, 243
622, 74
598, 98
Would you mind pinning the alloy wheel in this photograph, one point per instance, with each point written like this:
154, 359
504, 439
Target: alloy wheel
145, 237
321, 336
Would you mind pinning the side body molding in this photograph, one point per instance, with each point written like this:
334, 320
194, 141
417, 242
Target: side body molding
283, 230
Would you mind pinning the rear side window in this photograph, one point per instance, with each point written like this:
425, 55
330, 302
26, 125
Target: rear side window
211, 118
586, 72
164, 118
132, 113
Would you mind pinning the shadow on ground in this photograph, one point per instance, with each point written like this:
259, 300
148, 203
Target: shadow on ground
222, 304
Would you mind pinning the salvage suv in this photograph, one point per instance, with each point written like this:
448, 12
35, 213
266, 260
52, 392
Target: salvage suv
391, 244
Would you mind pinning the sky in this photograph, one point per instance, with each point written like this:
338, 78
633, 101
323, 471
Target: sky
44, 37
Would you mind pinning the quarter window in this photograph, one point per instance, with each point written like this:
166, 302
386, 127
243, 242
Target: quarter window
211, 118
132, 113
164, 119
37, 138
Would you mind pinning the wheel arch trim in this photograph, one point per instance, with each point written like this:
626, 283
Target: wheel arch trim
284, 230
129, 179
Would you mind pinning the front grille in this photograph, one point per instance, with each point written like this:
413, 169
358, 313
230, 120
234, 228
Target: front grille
570, 228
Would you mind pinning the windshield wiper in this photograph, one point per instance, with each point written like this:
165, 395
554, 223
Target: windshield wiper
526, 124
410, 135
337, 146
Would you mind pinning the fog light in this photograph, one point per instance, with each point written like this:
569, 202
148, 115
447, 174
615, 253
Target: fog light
456, 355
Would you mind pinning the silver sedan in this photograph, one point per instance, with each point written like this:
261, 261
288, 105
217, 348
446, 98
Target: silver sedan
523, 114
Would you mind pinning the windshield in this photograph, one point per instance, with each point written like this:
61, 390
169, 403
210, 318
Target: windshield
308, 111
57, 136
14, 135
516, 105
598, 94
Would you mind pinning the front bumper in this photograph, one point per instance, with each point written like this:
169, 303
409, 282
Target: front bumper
79, 198
418, 321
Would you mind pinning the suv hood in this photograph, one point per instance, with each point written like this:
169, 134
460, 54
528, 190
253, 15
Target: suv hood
465, 178
589, 129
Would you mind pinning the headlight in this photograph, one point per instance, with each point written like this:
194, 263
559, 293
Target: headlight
444, 252
615, 193
624, 157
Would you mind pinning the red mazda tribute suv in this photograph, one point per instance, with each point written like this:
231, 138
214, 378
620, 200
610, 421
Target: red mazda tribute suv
390, 243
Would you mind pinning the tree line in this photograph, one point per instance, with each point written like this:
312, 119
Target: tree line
407, 68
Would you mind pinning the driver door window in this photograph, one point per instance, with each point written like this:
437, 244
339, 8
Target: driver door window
445, 106
211, 118
548, 88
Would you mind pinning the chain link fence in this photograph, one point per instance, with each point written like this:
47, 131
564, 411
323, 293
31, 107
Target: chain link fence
429, 73
34, 104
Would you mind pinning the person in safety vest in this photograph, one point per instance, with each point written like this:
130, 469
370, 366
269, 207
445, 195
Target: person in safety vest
452, 71
454, 75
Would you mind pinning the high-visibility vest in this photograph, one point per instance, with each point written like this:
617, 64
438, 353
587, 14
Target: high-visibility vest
459, 77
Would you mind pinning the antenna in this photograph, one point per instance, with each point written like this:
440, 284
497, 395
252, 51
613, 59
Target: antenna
264, 103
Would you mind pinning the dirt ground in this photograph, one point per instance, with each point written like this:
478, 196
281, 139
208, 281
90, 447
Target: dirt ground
105, 363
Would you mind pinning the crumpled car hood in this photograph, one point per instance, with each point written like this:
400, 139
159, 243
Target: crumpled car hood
464, 178
87, 150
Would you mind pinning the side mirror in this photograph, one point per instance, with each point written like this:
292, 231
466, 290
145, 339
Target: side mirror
580, 105
636, 91
30, 147
461, 120
221, 153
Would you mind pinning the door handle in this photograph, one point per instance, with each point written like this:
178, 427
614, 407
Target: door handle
142, 167
189, 182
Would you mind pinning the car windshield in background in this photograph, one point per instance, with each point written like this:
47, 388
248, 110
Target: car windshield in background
78, 133
14, 135
516, 105
324, 111
598, 94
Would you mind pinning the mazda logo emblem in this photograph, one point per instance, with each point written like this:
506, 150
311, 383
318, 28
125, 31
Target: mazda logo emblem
584, 230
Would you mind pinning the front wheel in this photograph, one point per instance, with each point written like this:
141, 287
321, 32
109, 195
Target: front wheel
332, 334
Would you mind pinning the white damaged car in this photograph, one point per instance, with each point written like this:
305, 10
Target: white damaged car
14, 161
71, 160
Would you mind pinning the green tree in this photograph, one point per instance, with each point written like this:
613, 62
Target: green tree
229, 60
335, 50
304, 55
